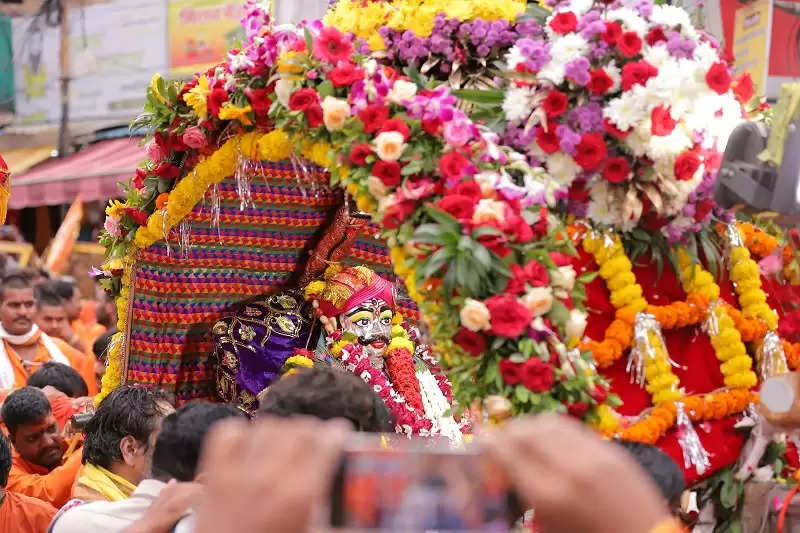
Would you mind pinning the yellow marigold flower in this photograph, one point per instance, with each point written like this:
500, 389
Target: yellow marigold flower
232, 112
606, 420
113, 264
196, 97
287, 63
314, 289
397, 319
300, 360
399, 331
114, 208
398, 343
274, 146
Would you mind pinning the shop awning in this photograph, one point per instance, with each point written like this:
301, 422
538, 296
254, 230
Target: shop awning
21, 159
95, 172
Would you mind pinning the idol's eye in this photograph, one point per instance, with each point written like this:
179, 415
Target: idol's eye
386, 321
362, 322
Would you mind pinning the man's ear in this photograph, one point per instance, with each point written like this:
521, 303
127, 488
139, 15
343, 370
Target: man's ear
128, 448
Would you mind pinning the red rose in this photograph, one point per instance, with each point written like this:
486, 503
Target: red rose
433, 127
137, 215
540, 227
578, 193
397, 213
520, 229
637, 72
577, 409
388, 172
599, 394
186, 87
314, 116
167, 170
215, 99
613, 130
303, 99
702, 209
398, 125
509, 318
472, 342
460, 207
345, 74
591, 151
743, 88
613, 32
686, 165
617, 170
661, 121
537, 375
599, 81
359, 153
629, 44
138, 180
496, 243
373, 116
470, 189
655, 35
452, 165
560, 259
564, 22
510, 372
555, 103
259, 100
536, 274
547, 140
718, 78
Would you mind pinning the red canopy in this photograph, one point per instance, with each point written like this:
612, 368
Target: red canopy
94, 173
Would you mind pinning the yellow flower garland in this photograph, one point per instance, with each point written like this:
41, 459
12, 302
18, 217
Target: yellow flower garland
747, 282
662, 383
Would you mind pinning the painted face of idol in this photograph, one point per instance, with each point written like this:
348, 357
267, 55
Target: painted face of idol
371, 322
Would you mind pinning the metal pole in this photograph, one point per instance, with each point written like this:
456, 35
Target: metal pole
63, 131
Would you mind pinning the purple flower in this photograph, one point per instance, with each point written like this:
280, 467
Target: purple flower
587, 118
483, 50
578, 70
537, 53
568, 139
599, 49
678, 47
644, 7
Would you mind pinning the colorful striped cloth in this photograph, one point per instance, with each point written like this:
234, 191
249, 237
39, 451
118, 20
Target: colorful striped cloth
177, 295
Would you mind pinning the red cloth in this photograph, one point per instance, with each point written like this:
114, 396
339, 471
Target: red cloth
689, 347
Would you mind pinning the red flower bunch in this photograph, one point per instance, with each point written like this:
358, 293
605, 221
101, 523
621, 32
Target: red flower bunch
472, 342
509, 318
534, 274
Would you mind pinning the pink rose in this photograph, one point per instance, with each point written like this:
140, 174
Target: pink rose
155, 152
195, 138
457, 133
770, 265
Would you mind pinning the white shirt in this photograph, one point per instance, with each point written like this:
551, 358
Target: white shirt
109, 517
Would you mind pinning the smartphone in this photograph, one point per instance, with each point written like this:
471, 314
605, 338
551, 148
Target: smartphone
397, 484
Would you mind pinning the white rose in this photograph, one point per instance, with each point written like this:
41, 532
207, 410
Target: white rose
576, 324
538, 300
489, 211
376, 187
401, 91
283, 90
389, 145
474, 315
564, 277
334, 112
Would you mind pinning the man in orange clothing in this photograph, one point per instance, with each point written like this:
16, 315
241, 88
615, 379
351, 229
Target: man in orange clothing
24, 348
84, 325
20, 513
38, 469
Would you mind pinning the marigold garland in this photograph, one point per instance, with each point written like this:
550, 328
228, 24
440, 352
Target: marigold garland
662, 383
747, 283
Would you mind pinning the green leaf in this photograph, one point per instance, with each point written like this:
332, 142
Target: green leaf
483, 231
522, 394
588, 277
730, 494
435, 262
309, 39
559, 312
428, 234
325, 89
445, 219
481, 96
413, 74
527, 346
483, 256
414, 167
537, 12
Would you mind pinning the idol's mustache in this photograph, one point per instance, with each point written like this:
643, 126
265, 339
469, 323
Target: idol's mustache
366, 341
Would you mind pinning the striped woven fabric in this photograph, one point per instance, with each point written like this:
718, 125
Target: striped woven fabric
177, 294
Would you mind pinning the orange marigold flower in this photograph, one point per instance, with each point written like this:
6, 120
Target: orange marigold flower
161, 200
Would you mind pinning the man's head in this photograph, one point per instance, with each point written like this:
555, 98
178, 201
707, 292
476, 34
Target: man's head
32, 428
100, 349
5, 460
17, 304
105, 308
179, 444
61, 377
660, 467
51, 315
327, 393
121, 435
70, 295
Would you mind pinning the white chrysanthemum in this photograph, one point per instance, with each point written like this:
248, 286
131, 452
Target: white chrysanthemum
562, 168
721, 127
517, 103
553, 72
602, 209
656, 55
661, 146
514, 58
627, 109
630, 19
705, 55
662, 87
638, 140
569, 47
670, 17
615, 74
579, 7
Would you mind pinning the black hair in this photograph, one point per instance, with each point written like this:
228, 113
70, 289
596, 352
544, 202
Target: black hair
660, 467
128, 411
63, 288
328, 393
5, 459
46, 295
178, 446
15, 280
60, 376
100, 346
24, 406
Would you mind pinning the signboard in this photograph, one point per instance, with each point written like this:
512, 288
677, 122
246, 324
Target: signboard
201, 32
115, 48
751, 36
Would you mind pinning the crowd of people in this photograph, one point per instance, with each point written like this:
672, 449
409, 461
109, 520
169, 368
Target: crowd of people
136, 464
